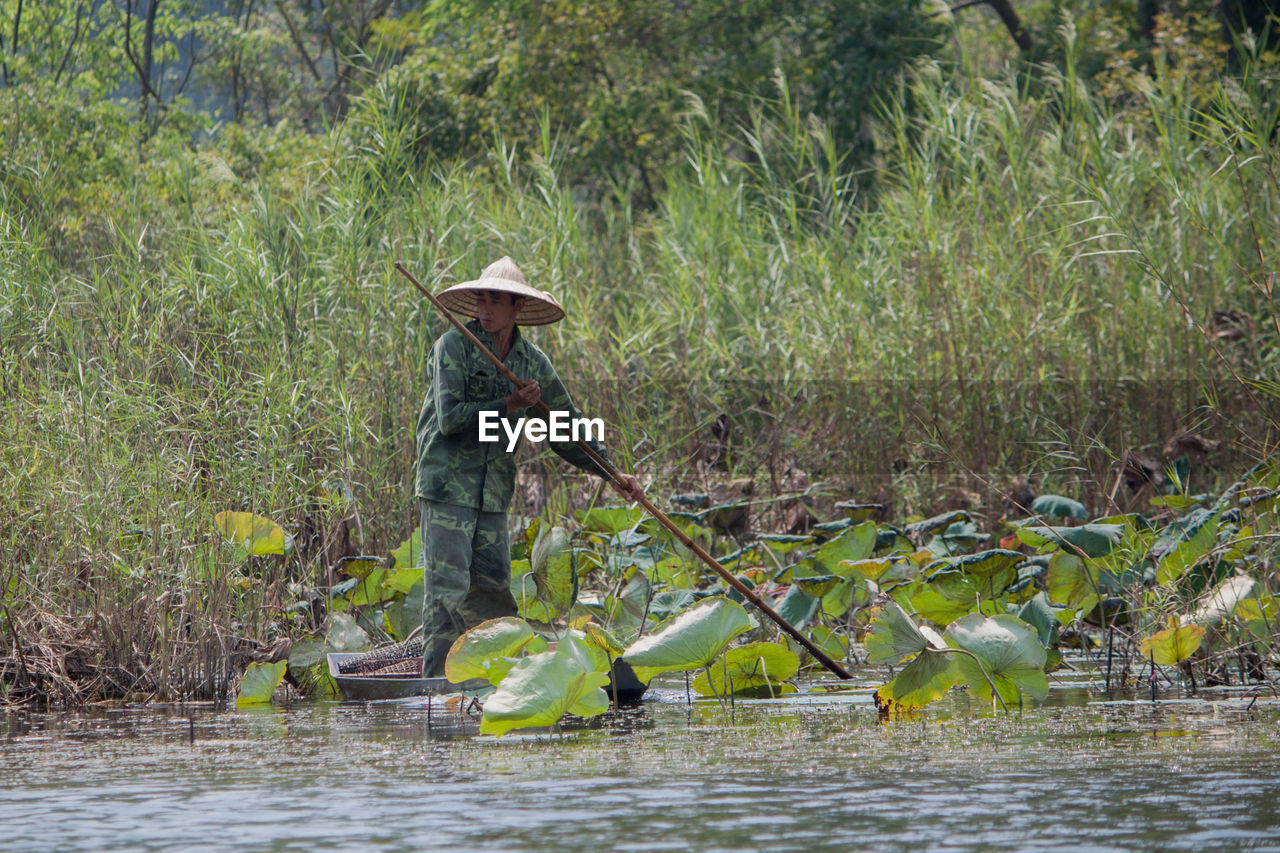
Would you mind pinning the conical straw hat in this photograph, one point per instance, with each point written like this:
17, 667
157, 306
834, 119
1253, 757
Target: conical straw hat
540, 308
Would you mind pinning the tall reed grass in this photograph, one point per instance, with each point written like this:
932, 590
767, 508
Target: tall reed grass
1025, 283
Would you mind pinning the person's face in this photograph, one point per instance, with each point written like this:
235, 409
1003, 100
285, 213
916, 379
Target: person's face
496, 310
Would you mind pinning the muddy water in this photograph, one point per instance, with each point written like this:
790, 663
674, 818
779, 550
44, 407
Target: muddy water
814, 772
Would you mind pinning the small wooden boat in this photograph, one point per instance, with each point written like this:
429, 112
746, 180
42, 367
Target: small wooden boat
363, 686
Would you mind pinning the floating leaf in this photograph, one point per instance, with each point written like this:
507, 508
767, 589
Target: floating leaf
1009, 651
255, 534
542, 688
1174, 644
691, 641
475, 653
754, 669
1057, 505
259, 681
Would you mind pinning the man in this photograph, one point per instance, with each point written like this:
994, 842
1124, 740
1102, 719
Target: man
464, 485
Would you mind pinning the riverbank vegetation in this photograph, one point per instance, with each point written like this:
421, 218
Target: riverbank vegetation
854, 255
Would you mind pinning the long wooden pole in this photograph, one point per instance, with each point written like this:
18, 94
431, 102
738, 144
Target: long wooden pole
744, 590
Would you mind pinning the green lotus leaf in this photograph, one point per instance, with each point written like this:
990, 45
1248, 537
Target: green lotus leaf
604, 639
666, 605
872, 570
748, 669
797, 607
891, 635
542, 688
259, 681
1093, 540
552, 562
609, 519
628, 607
360, 567
403, 580
1039, 614
255, 534
1186, 554
524, 587
371, 590
1174, 644
938, 608
407, 554
1059, 506
1008, 649
474, 653
1073, 582
986, 564
402, 616
936, 523
922, 681
818, 585
782, 543
831, 643
837, 602
692, 640
853, 544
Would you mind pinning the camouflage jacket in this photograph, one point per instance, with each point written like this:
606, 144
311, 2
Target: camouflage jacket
454, 466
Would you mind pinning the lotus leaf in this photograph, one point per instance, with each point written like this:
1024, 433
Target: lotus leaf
922, 681
1039, 614
691, 641
344, 635
936, 607
552, 562
259, 682
1175, 563
1093, 540
1009, 651
837, 602
612, 519
255, 534
797, 607
860, 512
782, 543
371, 590
629, 606
1058, 506
668, 604
403, 616
359, 567
756, 668
1073, 582
308, 667
831, 643
403, 580
855, 543
474, 653
891, 635
1174, 644
406, 556
818, 585
524, 587
542, 688
937, 522
986, 564
604, 639
872, 570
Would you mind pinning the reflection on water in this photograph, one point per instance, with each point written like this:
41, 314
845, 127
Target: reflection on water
814, 771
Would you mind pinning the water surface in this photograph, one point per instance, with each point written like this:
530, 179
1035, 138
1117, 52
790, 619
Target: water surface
813, 772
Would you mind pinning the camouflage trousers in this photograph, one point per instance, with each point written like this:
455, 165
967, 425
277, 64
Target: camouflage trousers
467, 560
